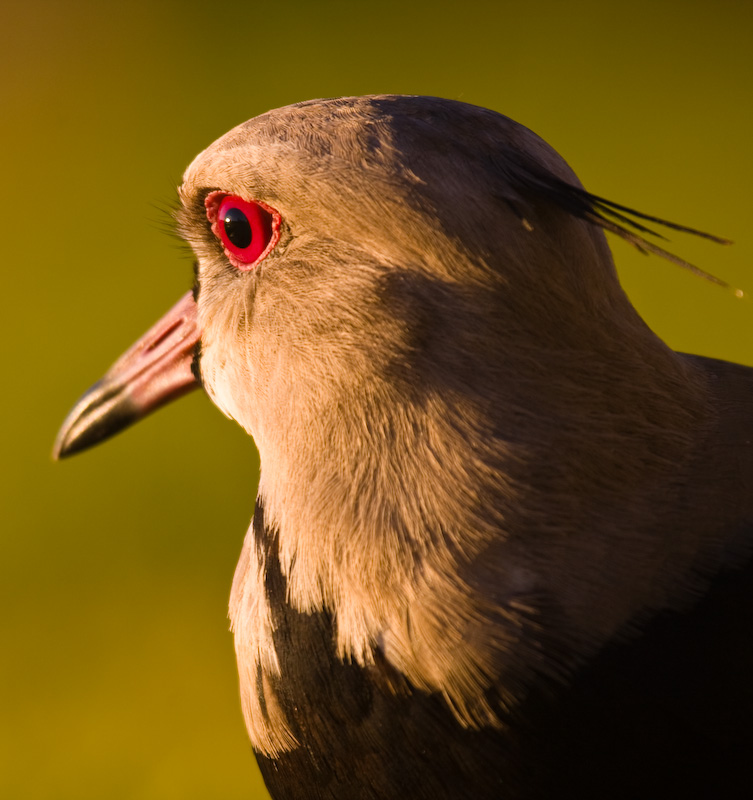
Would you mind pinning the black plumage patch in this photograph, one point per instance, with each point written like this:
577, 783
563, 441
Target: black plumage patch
655, 717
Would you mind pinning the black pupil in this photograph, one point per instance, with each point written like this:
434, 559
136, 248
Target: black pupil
237, 228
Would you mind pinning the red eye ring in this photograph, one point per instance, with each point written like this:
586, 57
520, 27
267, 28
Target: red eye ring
248, 229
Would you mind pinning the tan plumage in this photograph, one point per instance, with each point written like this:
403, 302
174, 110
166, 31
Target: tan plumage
479, 466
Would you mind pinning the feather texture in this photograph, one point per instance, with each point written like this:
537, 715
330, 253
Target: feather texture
501, 547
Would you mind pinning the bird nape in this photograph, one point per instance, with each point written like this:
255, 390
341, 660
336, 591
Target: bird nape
502, 541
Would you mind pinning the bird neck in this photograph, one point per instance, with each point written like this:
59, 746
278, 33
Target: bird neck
528, 500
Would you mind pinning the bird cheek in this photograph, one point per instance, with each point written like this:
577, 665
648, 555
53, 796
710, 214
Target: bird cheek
227, 382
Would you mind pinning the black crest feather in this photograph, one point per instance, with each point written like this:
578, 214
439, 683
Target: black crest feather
625, 222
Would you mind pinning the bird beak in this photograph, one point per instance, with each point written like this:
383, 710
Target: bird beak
157, 369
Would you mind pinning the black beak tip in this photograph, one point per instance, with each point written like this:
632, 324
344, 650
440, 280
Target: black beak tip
61, 449
67, 443
102, 412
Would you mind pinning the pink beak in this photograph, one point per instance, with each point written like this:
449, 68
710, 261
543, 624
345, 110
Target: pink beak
156, 370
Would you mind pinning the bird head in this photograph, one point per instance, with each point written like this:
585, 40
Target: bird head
399, 237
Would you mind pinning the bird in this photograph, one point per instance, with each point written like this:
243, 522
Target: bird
502, 541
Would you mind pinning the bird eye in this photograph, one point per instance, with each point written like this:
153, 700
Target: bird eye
248, 230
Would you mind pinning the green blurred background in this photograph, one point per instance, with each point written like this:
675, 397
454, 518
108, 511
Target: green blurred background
116, 669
